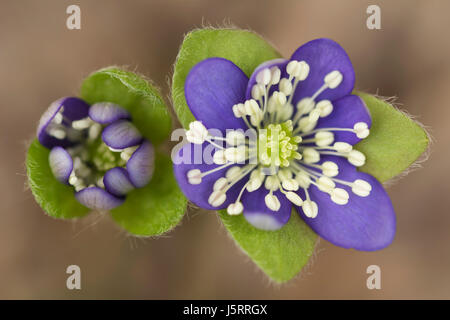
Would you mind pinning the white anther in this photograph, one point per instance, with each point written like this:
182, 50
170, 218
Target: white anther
125, 156
361, 188
73, 179
94, 131
235, 137
305, 105
324, 138
256, 118
239, 110
255, 181
303, 179
310, 209
251, 107
236, 154
290, 185
356, 158
314, 115
220, 184
58, 118
361, 129
276, 74
235, 208
81, 124
272, 202
330, 169
343, 147
339, 196
263, 77
197, 132
217, 198
285, 86
57, 133
285, 112
279, 98
194, 176
299, 70
325, 184
219, 157
333, 79
232, 173
311, 155
325, 107
294, 198
257, 92
284, 174
306, 125
271, 183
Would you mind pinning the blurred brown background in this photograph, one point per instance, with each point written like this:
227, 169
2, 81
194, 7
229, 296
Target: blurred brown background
40, 61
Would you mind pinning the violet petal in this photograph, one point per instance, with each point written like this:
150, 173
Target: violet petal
117, 181
97, 198
141, 165
121, 134
107, 112
61, 164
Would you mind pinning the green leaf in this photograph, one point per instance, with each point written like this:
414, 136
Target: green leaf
280, 254
395, 141
55, 198
155, 208
246, 49
134, 93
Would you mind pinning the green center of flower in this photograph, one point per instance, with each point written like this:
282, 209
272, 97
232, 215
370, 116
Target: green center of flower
277, 145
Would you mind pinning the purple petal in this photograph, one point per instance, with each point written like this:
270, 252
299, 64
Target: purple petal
324, 56
121, 134
280, 63
189, 157
107, 112
74, 109
212, 87
261, 217
61, 164
347, 111
117, 181
141, 164
364, 223
96, 198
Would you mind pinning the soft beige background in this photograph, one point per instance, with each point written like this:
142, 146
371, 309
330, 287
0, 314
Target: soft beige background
40, 61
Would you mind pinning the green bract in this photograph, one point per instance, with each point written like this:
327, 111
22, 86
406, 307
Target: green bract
394, 144
151, 210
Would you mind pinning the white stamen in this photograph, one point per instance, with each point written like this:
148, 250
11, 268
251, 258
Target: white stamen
235, 208
219, 157
276, 74
361, 129
235, 137
220, 184
339, 196
236, 154
310, 155
239, 110
325, 107
194, 176
272, 202
361, 188
217, 198
310, 208
197, 132
271, 183
57, 133
81, 124
330, 169
356, 158
255, 181
285, 86
303, 179
294, 198
264, 77
342, 147
324, 138
325, 184
333, 79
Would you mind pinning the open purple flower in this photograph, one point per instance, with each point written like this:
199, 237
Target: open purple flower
96, 149
284, 138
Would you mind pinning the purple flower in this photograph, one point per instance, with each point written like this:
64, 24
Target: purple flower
284, 138
96, 149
